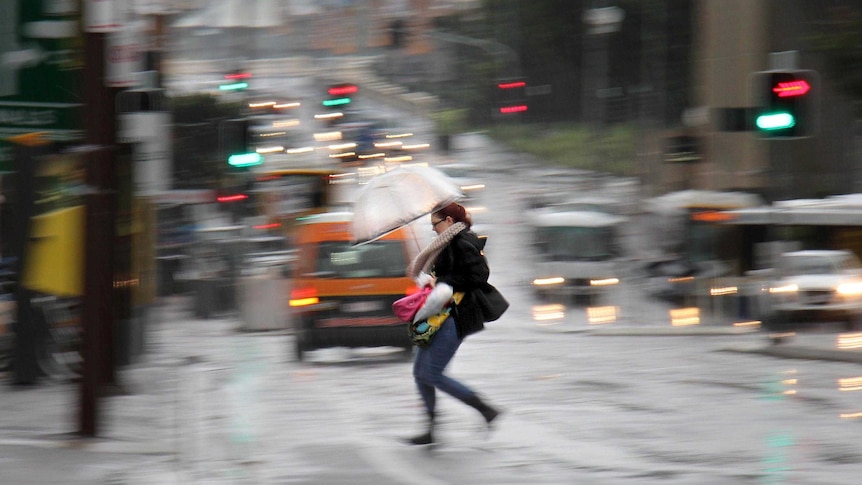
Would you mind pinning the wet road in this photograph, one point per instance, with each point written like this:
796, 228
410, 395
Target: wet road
579, 407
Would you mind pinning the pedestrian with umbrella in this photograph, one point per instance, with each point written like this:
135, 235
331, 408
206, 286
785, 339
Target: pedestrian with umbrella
454, 258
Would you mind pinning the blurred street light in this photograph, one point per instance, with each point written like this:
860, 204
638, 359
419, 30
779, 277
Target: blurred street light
601, 22
605, 20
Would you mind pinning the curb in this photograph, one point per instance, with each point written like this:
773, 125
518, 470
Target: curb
669, 331
802, 353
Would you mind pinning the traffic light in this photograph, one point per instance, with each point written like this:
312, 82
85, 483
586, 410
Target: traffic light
237, 144
511, 96
235, 81
785, 103
339, 94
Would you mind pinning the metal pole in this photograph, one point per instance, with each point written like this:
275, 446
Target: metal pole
27, 157
96, 310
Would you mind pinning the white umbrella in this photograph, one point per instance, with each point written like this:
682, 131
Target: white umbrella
398, 197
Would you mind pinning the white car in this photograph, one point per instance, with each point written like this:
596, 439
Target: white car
818, 285
577, 253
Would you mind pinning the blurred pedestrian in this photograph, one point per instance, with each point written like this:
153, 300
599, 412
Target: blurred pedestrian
454, 257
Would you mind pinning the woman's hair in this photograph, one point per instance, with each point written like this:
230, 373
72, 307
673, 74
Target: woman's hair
457, 212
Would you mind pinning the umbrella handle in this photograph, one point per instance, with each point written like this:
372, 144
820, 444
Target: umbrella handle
415, 237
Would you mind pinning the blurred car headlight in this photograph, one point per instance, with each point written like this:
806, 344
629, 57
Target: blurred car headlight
791, 288
549, 313
680, 279
851, 289
604, 282
723, 290
552, 281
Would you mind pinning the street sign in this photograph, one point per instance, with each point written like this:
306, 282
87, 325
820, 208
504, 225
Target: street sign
145, 123
124, 58
41, 66
60, 120
102, 16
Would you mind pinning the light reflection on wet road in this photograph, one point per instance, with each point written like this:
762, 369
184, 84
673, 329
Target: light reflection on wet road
579, 408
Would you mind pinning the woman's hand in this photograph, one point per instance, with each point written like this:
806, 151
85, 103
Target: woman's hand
425, 279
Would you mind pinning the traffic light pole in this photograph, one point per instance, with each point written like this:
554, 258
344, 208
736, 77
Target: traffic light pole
97, 317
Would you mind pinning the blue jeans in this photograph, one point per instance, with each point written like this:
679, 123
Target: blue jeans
430, 363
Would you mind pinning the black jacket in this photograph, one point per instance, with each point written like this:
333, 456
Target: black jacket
462, 265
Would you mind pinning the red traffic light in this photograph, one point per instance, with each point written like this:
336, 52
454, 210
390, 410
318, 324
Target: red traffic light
342, 90
237, 75
512, 85
513, 109
231, 198
791, 88
785, 103
511, 96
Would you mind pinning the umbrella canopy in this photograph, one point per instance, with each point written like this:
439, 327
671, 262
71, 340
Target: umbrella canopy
398, 197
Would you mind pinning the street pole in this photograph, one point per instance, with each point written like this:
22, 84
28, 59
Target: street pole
29, 150
601, 24
97, 317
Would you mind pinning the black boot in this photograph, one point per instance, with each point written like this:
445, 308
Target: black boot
488, 412
426, 438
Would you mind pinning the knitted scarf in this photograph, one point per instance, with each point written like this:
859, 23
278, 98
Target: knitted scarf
426, 257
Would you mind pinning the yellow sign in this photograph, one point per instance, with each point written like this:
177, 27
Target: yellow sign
55, 257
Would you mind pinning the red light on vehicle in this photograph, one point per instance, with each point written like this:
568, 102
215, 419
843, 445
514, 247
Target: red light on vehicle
231, 198
342, 90
791, 88
303, 297
513, 109
273, 225
238, 75
712, 216
512, 85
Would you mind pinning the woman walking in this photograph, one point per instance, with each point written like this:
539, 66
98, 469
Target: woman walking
454, 257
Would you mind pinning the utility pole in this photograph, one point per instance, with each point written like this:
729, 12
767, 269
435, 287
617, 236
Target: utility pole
97, 317
29, 150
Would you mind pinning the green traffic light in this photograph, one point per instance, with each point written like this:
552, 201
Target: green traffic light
245, 160
336, 102
775, 121
233, 86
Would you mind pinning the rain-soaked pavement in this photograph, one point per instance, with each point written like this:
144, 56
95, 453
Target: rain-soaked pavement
578, 407
209, 403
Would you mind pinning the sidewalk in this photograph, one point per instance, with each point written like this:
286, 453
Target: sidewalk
814, 345
189, 412
39, 443
836, 347
174, 423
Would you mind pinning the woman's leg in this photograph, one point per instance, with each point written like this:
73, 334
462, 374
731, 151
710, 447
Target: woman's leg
432, 361
428, 372
426, 391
